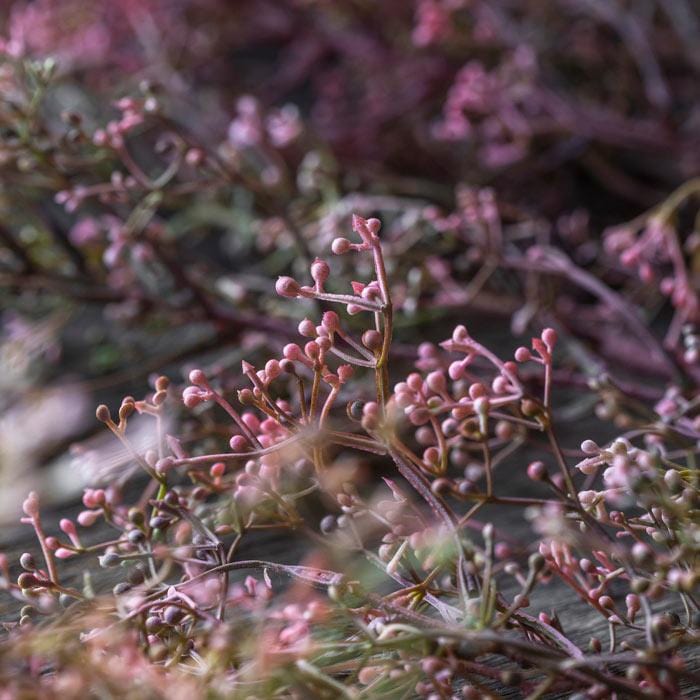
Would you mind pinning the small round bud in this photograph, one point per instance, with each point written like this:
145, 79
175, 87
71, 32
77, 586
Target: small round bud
537, 471
549, 337
287, 287
589, 447
27, 581
307, 328
372, 340
522, 354
536, 562
340, 246
436, 382
197, 377
330, 321
27, 562
320, 271
109, 560
30, 506
102, 414
246, 397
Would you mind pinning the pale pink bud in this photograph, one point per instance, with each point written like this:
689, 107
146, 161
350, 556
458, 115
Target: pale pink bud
312, 350
431, 455
587, 498
272, 369
344, 373
87, 518
31, 505
307, 328
537, 471
287, 287
522, 354
331, 321
549, 336
456, 370
477, 390
460, 334
197, 377
589, 447
633, 605
291, 351
340, 246
372, 340
418, 416
191, 397
63, 553
414, 381
320, 272
68, 526
238, 443
436, 382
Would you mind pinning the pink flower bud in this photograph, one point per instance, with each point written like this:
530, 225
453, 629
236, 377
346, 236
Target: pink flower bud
456, 370
287, 287
431, 455
272, 369
436, 382
217, 469
162, 466
344, 373
63, 553
320, 272
587, 498
31, 505
307, 328
414, 381
291, 351
87, 518
373, 225
340, 246
607, 602
312, 350
197, 377
68, 526
522, 354
238, 443
192, 397
589, 447
418, 416
537, 471
372, 340
477, 390
330, 321
549, 336
460, 334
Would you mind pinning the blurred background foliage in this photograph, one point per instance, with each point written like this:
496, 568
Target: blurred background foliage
162, 160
